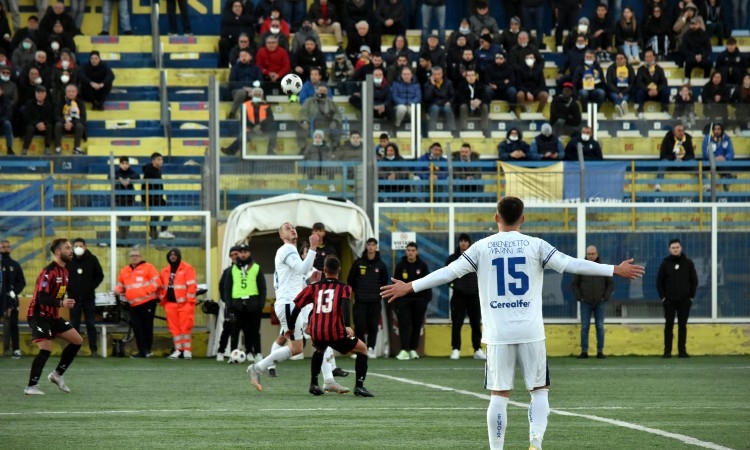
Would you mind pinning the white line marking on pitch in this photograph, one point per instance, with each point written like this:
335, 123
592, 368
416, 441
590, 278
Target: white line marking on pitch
619, 423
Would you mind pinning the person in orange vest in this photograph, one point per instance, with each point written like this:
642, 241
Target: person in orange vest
138, 283
260, 122
177, 296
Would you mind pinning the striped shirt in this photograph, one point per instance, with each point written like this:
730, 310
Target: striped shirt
51, 287
329, 298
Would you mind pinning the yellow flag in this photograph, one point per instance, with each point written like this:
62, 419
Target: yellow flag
534, 184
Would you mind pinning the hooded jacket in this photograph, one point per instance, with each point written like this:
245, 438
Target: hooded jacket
85, 275
178, 283
592, 289
677, 279
408, 272
507, 147
366, 277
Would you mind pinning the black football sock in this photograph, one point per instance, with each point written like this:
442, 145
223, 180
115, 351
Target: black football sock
360, 368
37, 366
68, 354
317, 362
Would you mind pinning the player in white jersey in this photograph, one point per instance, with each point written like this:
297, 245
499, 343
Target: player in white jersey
510, 271
288, 281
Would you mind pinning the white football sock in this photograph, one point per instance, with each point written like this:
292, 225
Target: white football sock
276, 356
497, 421
327, 368
275, 346
538, 412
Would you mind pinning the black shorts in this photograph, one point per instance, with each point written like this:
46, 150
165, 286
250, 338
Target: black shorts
47, 328
343, 346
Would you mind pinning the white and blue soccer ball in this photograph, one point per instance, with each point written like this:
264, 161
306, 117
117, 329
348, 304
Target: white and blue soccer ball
291, 84
237, 356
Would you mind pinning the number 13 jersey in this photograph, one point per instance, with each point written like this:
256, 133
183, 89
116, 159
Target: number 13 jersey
329, 298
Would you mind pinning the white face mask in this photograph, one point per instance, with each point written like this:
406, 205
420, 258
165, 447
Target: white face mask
580, 46
585, 137
390, 158
26, 45
377, 81
65, 64
38, 81
275, 30
588, 62
530, 62
513, 137
464, 30
257, 99
523, 45
79, 251
64, 79
55, 46
582, 29
5, 77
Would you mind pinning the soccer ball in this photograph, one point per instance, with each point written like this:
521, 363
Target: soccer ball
291, 84
237, 356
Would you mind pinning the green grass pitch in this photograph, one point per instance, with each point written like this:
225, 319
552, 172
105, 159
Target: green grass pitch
432, 403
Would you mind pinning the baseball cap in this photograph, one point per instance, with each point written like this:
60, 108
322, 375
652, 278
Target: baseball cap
243, 248
568, 84
365, 48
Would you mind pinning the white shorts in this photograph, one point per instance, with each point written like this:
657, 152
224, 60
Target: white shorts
500, 367
284, 312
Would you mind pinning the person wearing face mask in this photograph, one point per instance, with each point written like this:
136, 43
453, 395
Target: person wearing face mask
651, 84
315, 154
514, 148
275, 23
64, 72
530, 84
64, 39
177, 289
382, 103
464, 31
590, 148
85, 275
522, 49
275, 31
582, 29
23, 55
31, 31
395, 173
546, 146
235, 22
588, 80
260, 122
320, 112
565, 112
12, 283
390, 17
9, 87
574, 58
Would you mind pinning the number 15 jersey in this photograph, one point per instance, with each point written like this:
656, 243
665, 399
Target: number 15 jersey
329, 298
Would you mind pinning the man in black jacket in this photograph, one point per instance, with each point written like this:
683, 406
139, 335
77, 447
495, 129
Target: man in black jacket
473, 101
152, 171
38, 117
124, 193
565, 112
465, 301
227, 328
676, 283
651, 83
12, 283
367, 275
411, 308
592, 292
86, 275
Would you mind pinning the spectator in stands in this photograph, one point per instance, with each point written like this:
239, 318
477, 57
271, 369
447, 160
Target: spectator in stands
10, 90
6, 121
363, 59
315, 154
390, 15
546, 146
393, 72
590, 148
435, 172
382, 102
70, 118
580, 30
383, 141
482, 18
275, 32
464, 29
38, 118
696, 49
295, 14
264, 9
530, 84
375, 62
363, 36
473, 100
424, 69
325, 20
684, 108
405, 93
620, 83
354, 11
732, 63
567, 15
651, 84
675, 147
244, 42
714, 20
243, 76
96, 81
628, 36
485, 54
456, 70
31, 31
514, 148
282, 27
741, 101
273, 60
311, 85
235, 21
430, 9
455, 52
124, 193
57, 41
260, 122
523, 48
64, 72
306, 58
40, 63
318, 113
351, 150
123, 11
184, 17
304, 33
27, 87
739, 13
438, 95
501, 80
682, 26
435, 51
5, 32
400, 47
23, 55
588, 80
155, 197
657, 32
342, 72
466, 172
509, 37
565, 112
718, 142
386, 172
715, 97
572, 60
55, 13
533, 12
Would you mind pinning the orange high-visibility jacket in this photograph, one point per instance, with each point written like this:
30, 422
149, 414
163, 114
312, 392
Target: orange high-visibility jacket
184, 284
139, 284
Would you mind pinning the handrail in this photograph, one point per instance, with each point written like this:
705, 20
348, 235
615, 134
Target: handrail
157, 52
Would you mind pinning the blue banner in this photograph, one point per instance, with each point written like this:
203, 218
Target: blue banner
602, 181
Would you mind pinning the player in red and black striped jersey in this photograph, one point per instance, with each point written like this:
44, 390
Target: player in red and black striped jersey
45, 321
329, 324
